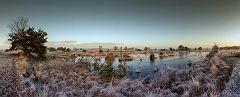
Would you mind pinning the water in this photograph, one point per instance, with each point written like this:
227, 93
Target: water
179, 61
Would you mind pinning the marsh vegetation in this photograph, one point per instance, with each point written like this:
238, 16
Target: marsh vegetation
35, 72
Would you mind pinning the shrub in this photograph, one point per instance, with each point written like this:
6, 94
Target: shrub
152, 56
215, 47
161, 53
122, 71
52, 49
108, 72
96, 65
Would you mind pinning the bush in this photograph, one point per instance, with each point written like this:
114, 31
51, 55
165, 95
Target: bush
215, 48
161, 53
122, 71
96, 65
107, 72
152, 56
64, 49
139, 50
52, 49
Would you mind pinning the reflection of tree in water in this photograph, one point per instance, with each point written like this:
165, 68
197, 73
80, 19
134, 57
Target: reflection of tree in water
181, 54
152, 61
186, 53
161, 58
200, 53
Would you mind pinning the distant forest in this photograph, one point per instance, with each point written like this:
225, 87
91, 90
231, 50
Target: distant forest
230, 48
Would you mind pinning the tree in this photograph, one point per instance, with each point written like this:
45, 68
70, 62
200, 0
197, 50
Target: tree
62, 49
125, 48
115, 48
121, 48
171, 49
68, 49
195, 48
186, 48
24, 38
200, 48
136, 49
146, 48
181, 47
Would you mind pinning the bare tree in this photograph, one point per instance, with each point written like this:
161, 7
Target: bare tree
18, 25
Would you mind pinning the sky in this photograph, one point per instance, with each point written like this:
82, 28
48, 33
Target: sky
131, 23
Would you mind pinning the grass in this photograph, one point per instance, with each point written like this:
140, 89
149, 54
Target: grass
214, 70
68, 79
23, 65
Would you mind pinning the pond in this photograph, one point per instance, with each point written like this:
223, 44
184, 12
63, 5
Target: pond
147, 67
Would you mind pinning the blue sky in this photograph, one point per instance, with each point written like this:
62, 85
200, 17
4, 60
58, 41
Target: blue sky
134, 23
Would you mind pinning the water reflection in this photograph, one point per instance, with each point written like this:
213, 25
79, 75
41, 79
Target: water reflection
148, 67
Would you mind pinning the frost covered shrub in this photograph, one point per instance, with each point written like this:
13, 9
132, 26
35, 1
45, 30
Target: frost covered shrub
122, 71
195, 87
75, 80
108, 72
96, 65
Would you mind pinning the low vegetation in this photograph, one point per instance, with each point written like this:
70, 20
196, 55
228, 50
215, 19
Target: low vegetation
152, 57
22, 76
50, 78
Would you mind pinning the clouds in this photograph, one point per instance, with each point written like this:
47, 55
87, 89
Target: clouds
73, 43
62, 42
4, 46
